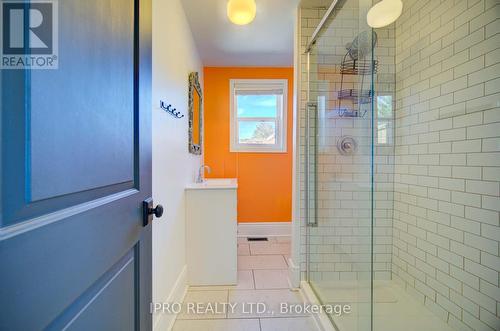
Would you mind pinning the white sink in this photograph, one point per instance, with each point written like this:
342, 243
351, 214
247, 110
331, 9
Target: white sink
214, 184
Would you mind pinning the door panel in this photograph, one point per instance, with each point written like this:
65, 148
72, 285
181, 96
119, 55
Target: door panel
92, 140
76, 166
117, 283
97, 132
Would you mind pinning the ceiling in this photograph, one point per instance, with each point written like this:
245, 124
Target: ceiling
267, 41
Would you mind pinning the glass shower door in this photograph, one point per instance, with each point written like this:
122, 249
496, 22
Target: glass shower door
339, 166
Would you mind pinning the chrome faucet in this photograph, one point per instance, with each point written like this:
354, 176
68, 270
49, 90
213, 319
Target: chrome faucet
201, 173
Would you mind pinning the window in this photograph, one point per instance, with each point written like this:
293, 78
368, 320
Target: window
258, 115
384, 119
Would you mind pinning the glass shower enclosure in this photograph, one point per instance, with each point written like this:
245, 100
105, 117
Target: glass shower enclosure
400, 164
349, 156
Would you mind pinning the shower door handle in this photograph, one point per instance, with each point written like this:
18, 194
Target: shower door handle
311, 219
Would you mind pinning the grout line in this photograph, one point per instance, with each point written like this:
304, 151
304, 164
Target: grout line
286, 263
287, 317
260, 325
254, 283
227, 301
223, 318
244, 318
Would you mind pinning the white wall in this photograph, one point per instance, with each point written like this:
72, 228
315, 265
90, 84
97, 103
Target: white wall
174, 57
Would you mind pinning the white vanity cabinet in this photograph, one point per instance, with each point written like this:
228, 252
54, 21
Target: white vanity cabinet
211, 230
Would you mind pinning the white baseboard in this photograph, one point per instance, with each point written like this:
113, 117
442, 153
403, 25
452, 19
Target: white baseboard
265, 229
321, 319
165, 322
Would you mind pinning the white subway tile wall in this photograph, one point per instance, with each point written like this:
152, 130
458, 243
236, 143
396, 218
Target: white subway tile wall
446, 214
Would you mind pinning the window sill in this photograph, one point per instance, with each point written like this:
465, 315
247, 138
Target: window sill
258, 151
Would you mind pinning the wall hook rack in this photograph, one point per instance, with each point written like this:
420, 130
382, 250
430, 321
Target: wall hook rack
170, 110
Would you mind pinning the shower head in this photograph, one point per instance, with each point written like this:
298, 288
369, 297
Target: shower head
362, 45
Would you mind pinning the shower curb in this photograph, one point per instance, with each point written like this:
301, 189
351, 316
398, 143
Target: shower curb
322, 321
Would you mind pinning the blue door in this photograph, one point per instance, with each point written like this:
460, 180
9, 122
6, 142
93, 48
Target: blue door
75, 170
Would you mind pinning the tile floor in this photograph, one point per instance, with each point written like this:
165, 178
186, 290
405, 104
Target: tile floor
262, 277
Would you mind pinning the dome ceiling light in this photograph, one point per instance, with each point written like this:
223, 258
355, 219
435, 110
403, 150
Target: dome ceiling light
384, 13
241, 12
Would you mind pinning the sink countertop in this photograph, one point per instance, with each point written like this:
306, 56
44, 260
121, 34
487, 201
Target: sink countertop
214, 184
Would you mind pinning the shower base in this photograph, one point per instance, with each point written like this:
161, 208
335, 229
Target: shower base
393, 310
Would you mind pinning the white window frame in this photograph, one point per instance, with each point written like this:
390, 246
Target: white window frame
260, 85
389, 121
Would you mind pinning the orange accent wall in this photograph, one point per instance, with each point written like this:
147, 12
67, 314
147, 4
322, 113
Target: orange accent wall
264, 179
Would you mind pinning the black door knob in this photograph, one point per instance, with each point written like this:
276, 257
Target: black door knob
158, 211
148, 211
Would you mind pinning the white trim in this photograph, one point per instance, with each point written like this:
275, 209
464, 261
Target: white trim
322, 320
280, 120
164, 321
296, 221
388, 120
268, 229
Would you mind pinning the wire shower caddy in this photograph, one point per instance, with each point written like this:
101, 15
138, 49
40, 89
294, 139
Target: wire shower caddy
354, 64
